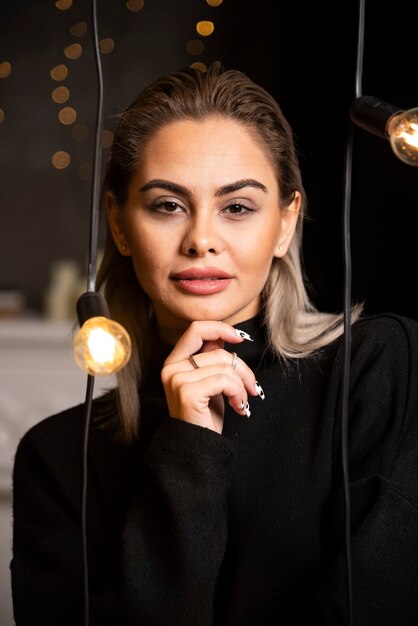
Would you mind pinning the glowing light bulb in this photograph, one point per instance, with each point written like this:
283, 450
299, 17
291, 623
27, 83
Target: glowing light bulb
101, 346
389, 122
403, 135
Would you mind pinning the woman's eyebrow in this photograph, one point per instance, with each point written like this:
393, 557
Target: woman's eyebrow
240, 184
165, 184
222, 191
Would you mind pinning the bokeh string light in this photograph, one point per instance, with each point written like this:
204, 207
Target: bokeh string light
68, 115
5, 71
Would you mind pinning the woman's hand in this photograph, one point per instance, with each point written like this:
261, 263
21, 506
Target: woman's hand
195, 394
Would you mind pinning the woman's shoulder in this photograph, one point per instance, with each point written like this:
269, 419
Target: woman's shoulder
385, 344
63, 431
382, 345
384, 368
62, 424
394, 331
388, 323
51, 453
389, 335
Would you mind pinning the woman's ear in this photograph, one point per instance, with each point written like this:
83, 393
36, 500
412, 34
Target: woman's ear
114, 219
288, 222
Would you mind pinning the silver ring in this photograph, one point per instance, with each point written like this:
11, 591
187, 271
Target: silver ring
234, 360
193, 362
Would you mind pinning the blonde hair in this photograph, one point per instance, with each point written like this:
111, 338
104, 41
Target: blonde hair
296, 329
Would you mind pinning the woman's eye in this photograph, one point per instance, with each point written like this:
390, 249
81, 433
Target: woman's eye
237, 209
167, 206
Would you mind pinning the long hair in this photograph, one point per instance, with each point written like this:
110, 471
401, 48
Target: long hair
295, 327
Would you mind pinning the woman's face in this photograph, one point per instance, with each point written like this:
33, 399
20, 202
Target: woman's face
202, 223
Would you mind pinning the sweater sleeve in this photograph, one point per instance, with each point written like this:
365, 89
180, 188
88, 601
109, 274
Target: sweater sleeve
176, 529
383, 468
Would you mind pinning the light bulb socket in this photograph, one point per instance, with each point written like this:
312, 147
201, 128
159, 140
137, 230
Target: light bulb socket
373, 115
91, 304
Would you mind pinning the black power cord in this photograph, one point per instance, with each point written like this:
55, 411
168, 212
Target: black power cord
91, 281
86, 428
346, 368
347, 317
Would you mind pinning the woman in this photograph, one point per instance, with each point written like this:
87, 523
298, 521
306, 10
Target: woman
215, 490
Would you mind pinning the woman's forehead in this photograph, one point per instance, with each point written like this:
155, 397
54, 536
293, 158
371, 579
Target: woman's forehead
212, 144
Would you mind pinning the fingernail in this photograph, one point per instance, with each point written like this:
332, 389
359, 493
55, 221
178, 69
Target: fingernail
259, 390
247, 410
242, 405
243, 334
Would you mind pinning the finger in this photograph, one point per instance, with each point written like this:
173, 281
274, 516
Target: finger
197, 333
189, 393
238, 399
209, 346
221, 359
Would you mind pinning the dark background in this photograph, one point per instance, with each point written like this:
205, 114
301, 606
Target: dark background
304, 54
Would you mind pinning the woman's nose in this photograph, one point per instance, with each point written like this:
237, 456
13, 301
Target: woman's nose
202, 236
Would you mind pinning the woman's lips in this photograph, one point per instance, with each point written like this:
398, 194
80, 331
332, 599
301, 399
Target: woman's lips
202, 281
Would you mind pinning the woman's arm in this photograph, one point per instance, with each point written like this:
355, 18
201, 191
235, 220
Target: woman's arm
175, 533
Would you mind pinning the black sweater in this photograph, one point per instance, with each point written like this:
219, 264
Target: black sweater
187, 527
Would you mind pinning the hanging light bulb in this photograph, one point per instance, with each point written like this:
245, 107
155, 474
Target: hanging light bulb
389, 122
403, 135
101, 346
